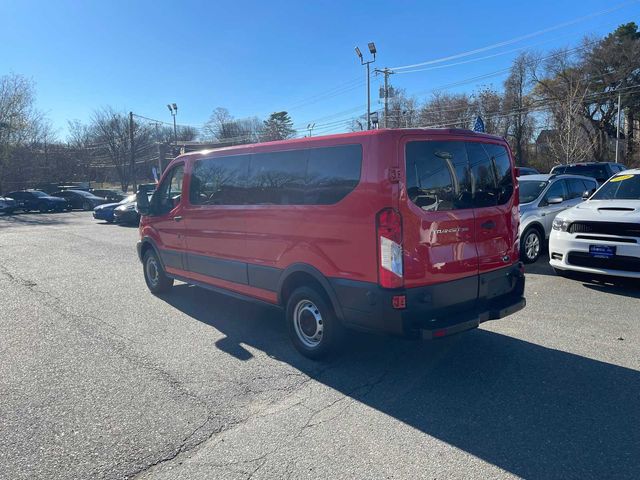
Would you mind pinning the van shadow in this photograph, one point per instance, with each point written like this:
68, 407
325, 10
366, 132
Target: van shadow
533, 411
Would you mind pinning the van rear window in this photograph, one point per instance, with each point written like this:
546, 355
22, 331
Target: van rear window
312, 176
457, 175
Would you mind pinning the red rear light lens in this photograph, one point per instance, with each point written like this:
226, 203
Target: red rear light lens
389, 236
399, 302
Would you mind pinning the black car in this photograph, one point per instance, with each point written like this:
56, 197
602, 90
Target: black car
523, 171
601, 171
111, 195
28, 200
7, 205
79, 199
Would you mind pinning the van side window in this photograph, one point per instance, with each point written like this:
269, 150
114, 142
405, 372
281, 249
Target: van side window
277, 178
167, 196
219, 181
332, 173
311, 176
438, 175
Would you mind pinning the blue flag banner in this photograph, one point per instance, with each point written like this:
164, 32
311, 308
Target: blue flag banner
479, 125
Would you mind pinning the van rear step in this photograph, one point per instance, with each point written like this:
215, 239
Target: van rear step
500, 310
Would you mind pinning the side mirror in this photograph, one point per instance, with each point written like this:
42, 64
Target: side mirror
586, 194
554, 200
143, 206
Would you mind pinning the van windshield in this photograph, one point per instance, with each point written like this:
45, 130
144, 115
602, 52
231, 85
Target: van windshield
457, 175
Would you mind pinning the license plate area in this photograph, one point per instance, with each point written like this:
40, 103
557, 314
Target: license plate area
602, 251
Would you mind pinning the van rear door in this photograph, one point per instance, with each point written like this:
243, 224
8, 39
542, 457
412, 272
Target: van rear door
439, 227
496, 210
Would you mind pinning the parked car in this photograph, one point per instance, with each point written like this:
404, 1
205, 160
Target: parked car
601, 171
79, 199
7, 205
542, 197
602, 235
409, 232
27, 200
105, 211
523, 171
110, 195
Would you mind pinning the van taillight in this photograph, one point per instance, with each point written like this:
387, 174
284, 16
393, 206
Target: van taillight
389, 232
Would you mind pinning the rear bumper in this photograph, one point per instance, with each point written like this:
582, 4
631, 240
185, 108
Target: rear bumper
436, 310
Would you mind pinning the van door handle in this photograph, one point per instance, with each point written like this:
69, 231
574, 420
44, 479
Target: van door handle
489, 225
177, 218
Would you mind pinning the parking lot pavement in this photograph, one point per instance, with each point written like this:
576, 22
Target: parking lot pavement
100, 379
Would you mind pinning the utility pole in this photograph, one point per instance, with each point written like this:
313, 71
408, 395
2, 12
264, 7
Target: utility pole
310, 127
372, 49
386, 72
618, 127
133, 156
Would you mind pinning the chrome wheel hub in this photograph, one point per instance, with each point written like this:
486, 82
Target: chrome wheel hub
308, 323
152, 271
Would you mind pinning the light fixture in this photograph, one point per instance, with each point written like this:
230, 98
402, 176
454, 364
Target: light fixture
372, 48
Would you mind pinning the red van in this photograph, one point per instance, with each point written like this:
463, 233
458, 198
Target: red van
411, 232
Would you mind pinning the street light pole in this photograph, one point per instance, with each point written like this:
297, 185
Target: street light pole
173, 108
373, 51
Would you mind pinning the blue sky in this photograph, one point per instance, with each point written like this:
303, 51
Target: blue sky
263, 56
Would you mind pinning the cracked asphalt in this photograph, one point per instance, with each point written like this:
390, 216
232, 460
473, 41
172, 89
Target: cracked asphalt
100, 379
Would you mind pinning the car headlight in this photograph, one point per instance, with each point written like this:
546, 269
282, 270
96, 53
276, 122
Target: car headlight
561, 224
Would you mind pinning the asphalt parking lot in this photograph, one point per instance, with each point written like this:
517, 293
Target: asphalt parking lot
100, 379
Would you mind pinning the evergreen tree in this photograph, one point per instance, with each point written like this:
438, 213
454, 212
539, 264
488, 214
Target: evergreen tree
278, 126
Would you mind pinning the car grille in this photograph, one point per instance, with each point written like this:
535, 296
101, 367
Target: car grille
619, 262
606, 228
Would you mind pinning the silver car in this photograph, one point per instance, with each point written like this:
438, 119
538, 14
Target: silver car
542, 197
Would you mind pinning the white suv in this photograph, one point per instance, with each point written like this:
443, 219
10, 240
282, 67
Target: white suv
602, 235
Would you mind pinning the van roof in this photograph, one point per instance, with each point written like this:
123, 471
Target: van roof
352, 135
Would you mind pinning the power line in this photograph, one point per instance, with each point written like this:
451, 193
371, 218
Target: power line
517, 39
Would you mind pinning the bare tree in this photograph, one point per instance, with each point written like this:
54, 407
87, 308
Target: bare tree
447, 110
224, 128
517, 105
562, 88
20, 122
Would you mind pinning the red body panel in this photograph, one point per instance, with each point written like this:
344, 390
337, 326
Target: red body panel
340, 240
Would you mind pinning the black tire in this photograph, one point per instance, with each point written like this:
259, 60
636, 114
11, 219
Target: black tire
313, 326
43, 208
531, 245
157, 280
86, 206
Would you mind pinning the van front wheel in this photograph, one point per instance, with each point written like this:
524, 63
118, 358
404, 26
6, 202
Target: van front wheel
154, 275
313, 326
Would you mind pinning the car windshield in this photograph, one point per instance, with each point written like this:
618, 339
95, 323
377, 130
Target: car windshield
530, 190
129, 199
38, 193
620, 187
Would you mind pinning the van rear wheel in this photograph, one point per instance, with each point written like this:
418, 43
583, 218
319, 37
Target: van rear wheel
154, 275
313, 326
